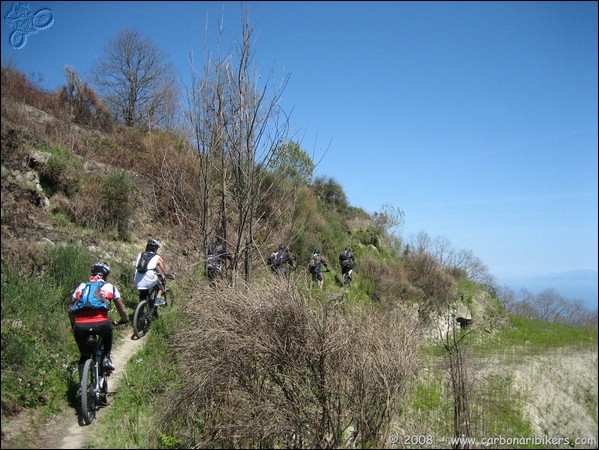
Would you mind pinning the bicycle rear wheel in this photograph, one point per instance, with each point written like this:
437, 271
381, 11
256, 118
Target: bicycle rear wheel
346, 279
141, 319
88, 394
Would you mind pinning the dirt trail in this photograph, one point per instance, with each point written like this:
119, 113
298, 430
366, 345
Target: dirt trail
65, 431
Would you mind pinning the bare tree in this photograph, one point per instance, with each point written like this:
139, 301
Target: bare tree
238, 128
206, 118
460, 388
137, 81
84, 106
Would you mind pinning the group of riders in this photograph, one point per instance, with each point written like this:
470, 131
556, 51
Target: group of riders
149, 265
280, 262
346, 262
97, 294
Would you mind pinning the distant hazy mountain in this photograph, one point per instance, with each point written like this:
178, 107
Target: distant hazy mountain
576, 284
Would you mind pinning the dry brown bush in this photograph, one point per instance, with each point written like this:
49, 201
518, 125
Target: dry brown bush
21, 254
21, 210
269, 367
178, 196
435, 286
17, 87
389, 283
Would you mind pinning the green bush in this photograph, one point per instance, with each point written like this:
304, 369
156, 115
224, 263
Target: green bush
37, 346
105, 203
39, 354
62, 171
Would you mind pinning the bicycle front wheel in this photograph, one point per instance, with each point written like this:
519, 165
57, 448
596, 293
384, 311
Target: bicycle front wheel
141, 319
88, 394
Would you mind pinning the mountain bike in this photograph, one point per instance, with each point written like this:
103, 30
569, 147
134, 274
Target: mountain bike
146, 310
93, 387
347, 276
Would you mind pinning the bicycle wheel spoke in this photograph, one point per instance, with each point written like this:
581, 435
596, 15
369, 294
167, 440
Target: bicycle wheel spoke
88, 398
141, 319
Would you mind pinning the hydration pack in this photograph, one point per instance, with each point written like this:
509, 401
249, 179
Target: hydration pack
277, 258
312, 264
144, 260
91, 297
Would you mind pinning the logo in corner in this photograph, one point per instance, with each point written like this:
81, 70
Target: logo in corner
26, 22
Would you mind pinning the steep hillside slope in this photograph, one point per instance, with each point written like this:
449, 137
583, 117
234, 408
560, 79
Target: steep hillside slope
558, 391
558, 388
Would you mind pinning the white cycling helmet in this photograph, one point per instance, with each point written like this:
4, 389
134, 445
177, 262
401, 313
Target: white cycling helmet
100, 268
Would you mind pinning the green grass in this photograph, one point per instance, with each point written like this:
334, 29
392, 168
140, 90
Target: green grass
135, 410
532, 336
503, 409
37, 346
39, 354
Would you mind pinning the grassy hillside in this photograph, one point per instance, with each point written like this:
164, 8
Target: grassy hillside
260, 361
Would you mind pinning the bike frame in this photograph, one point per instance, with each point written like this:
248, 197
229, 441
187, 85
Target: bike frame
146, 310
93, 381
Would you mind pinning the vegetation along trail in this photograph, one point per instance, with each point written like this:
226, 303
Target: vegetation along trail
66, 431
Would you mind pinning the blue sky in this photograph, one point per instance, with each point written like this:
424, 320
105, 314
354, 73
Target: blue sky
477, 119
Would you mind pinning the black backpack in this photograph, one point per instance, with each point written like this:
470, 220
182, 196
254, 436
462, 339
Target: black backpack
277, 258
313, 263
345, 259
144, 260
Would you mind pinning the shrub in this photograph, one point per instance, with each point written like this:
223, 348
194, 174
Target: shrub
118, 195
106, 202
269, 366
38, 351
62, 171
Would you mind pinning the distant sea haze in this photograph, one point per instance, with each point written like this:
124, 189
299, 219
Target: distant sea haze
573, 285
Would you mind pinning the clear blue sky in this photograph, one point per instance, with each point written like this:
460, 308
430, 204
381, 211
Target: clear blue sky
477, 119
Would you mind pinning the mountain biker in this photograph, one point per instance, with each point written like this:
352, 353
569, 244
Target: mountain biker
316, 261
147, 277
347, 262
214, 261
279, 259
89, 321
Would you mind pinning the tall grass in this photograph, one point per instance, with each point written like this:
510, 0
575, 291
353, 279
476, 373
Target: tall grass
150, 374
39, 354
525, 335
37, 346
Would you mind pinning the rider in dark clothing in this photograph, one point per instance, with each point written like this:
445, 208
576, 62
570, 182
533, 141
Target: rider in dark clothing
315, 267
347, 262
214, 261
279, 260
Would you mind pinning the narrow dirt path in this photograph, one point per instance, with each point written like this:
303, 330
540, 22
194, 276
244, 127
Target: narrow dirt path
65, 431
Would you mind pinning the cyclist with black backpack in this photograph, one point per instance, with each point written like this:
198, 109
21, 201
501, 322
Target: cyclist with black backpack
214, 262
347, 262
279, 259
88, 313
145, 276
314, 266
